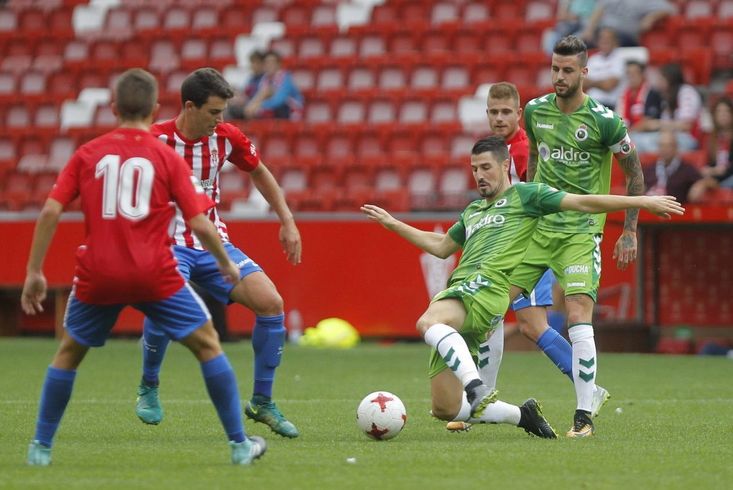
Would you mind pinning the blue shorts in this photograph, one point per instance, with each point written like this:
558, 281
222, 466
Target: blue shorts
178, 316
541, 295
200, 267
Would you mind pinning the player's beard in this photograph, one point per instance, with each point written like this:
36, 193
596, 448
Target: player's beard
570, 91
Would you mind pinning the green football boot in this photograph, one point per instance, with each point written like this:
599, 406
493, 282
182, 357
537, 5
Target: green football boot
38, 454
148, 407
263, 410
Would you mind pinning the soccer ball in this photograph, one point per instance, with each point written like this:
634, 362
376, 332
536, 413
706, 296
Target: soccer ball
381, 415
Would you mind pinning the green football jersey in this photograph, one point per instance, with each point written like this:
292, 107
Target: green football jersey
574, 153
497, 233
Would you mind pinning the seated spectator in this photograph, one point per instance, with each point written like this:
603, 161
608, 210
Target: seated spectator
681, 110
670, 176
719, 141
628, 18
605, 70
639, 101
719, 170
235, 107
572, 17
277, 95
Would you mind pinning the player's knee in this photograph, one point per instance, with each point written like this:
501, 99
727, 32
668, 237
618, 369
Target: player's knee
424, 323
530, 329
204, 342
444, 411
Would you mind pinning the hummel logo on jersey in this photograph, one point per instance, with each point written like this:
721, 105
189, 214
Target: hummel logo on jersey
545, 126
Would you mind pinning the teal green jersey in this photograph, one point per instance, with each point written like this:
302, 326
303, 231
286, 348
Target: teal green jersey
497, 232
574, 153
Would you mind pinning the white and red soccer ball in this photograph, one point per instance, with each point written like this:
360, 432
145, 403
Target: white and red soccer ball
381, 415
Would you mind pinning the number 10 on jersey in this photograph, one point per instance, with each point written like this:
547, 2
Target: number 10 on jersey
127, 186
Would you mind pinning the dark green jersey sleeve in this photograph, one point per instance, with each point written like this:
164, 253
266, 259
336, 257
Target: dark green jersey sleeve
458, 232
539, 199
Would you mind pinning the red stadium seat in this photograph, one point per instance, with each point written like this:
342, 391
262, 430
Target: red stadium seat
16, 64
454, 186
392, 78
421, 187
318, 111
361, 78
343, 47
444, 12
475, 12
47, 116
695, 9
382, 110
436, 40
118, 23
371, 46
17, 191
467, 41
413, 111
351, 111
7, 86
725, 9
147, 20
206, 20
312, 46
236, 20
221, 52
194, 53
339, 145
330, 78
323, 16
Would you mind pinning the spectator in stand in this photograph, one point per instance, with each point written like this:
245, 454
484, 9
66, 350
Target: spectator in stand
670, 176
639, 101
719, 170
277, 95
235, 108
572, 17
719, 141
605, 70
681, 110
628, 18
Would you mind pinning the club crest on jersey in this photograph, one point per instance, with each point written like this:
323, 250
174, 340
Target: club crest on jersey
500, 203
581, 134
544, 151
214, 157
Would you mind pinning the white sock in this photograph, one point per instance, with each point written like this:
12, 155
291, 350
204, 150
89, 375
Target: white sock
496, 413
585, 363
490, 353
454, 351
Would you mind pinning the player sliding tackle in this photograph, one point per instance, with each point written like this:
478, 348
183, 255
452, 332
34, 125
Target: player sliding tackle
493, 232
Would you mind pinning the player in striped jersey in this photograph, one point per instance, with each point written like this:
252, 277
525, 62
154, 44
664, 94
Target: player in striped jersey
201, 137
126, 180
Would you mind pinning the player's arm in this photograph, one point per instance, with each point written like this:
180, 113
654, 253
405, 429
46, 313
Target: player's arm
625, 249
34, 288
438, 244
206, 232
264, 181
664, 206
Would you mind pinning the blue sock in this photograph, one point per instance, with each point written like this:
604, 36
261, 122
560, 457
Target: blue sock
54, 398
222, 387
154, 347
558, 350
268, 338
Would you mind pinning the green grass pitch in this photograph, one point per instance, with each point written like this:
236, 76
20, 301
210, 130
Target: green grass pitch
675, 429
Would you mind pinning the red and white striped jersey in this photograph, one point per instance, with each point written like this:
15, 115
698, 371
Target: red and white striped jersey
206, 156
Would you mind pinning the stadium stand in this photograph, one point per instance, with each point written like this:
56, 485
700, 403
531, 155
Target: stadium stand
392, 88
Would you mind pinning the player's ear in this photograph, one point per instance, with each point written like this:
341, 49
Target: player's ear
156, 109
113, 105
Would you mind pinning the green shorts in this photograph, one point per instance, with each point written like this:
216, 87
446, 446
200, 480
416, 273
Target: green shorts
486, 300
574, 258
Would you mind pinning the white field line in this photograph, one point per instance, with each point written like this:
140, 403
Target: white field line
312, 401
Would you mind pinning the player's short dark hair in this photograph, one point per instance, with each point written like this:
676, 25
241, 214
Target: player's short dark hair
136, 93
494, 144
504, 90
204, 83
256, 55
572, 46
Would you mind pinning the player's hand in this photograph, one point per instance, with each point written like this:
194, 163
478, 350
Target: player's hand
230, 271
625, 250
664, 206
375, 213
34, 292
291, 243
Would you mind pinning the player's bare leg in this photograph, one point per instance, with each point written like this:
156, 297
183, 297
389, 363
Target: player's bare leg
449, 403
258, 293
